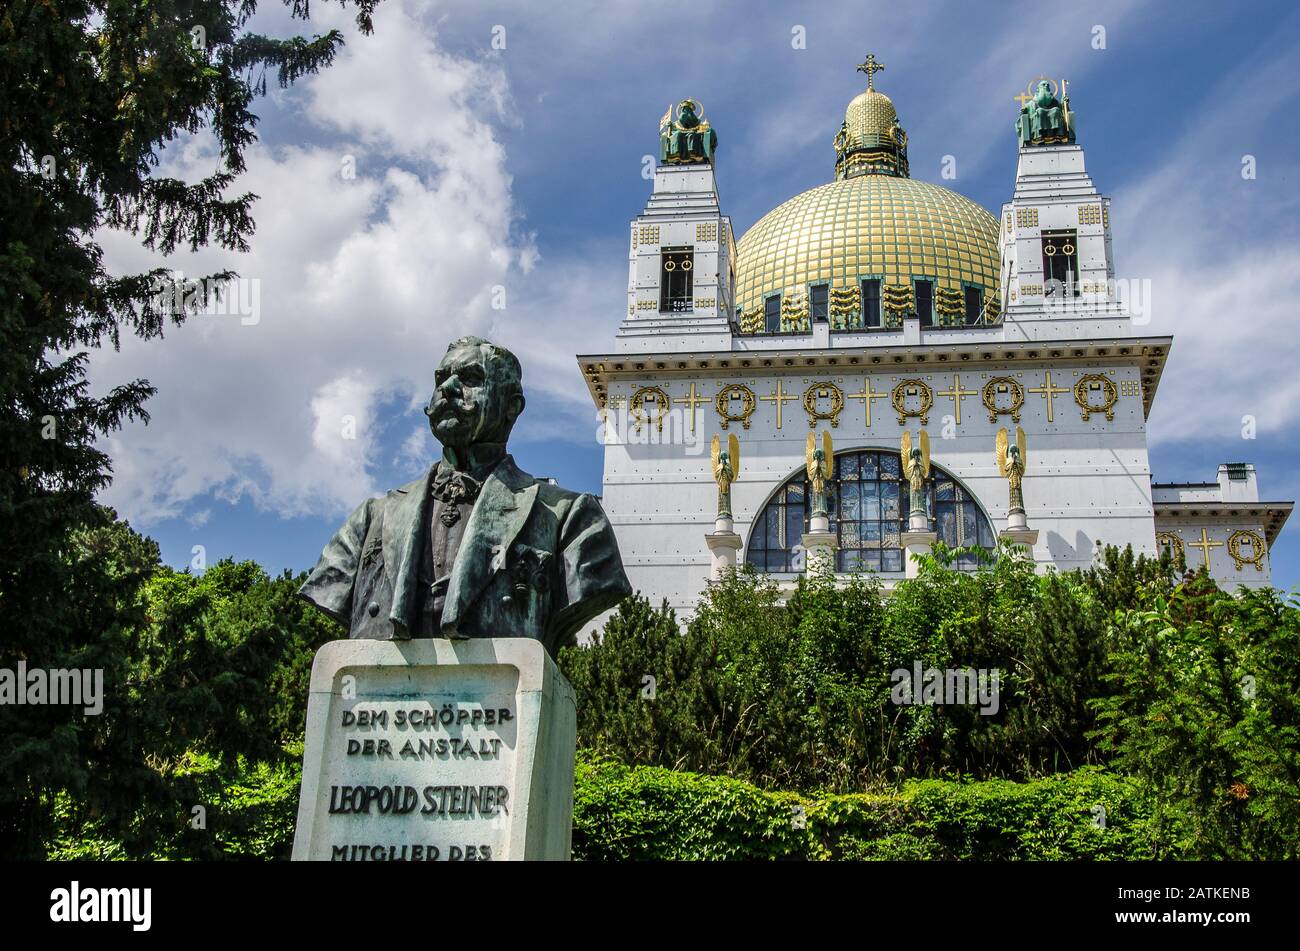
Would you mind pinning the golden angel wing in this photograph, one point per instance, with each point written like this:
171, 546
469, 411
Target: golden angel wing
667, 120
715, 453
809, 463
1020, 444
925, 454
905, 452
1000, 447
828, 462
733, 451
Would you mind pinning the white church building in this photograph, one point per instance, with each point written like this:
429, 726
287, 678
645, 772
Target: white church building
877, 304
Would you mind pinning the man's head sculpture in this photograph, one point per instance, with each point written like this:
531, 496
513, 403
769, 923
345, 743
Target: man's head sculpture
1043, 96
477, 394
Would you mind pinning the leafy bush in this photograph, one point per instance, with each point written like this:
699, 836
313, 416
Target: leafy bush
800, 694
201, 673
249, 809
1205, 713
1190, 690
623, 812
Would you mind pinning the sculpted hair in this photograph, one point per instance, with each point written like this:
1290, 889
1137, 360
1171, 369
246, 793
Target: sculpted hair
513, 374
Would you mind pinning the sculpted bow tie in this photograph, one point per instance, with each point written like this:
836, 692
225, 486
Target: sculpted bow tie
454, 489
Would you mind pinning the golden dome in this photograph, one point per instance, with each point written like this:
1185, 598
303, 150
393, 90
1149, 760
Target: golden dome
869, 226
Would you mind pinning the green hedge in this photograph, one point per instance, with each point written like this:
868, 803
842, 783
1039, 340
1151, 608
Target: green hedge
647, 812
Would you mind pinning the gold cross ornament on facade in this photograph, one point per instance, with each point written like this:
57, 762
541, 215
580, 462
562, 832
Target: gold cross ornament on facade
692, 401
867, 394
1048, 392
957, 394
780, 398
1205, 545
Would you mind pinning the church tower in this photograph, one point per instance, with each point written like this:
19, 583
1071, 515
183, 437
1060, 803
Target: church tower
681, 255
1056, 246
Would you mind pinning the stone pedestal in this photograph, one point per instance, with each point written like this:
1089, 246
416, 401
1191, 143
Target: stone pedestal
819, 548
1016, 521
724, 548
437, 750
1023, 538
916, 543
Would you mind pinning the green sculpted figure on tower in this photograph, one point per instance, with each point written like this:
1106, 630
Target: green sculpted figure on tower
1044, 119
688, 139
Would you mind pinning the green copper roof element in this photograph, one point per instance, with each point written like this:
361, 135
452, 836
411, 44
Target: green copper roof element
870, 141
1044, 119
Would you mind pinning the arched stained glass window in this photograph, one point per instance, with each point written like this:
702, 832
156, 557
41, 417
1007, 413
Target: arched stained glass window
868, 513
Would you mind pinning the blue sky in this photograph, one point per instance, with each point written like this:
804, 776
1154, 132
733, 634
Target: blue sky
518, 167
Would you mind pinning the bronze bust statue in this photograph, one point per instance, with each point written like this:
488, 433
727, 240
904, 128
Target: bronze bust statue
475, 547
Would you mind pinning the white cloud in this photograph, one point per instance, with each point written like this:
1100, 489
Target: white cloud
416, 450
361, 282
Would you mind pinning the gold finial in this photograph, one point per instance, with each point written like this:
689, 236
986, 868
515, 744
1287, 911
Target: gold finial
870, 67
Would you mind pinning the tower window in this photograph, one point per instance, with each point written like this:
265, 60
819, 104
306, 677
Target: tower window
675, 281
819, 302
871, 303
772, 314
925, 302
1060, 263
974, 304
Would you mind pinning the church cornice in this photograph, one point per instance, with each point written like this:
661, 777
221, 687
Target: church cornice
1147, 353
1272, 515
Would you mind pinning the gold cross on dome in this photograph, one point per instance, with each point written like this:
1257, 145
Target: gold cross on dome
1048, 391
867, 395
870, 67
957, 394
780, 398
691, 400
1205, 545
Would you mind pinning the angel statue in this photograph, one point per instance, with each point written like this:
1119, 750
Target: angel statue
1011, 464
820, 460
726, 469
916, 467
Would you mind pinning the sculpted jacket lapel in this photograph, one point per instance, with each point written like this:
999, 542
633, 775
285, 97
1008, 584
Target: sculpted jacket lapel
403, 524
503, 506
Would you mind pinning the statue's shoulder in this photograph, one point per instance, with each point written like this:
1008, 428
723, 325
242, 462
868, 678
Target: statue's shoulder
374, 508
414, 487
553, 496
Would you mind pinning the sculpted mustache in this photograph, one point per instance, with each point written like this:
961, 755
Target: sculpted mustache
444, 407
